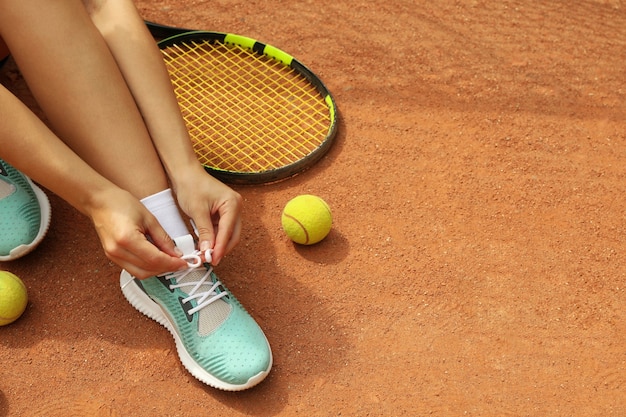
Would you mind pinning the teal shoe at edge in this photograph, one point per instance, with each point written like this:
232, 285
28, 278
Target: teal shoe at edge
217, 340
24, 213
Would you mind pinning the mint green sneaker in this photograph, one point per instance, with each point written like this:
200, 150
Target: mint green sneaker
24, 213
217, 340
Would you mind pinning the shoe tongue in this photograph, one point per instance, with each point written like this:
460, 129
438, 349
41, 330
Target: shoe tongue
217, 312
6, 189
187, 245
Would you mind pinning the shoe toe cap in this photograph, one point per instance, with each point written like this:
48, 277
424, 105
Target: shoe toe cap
238, 351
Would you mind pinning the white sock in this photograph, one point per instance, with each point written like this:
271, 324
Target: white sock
163, 206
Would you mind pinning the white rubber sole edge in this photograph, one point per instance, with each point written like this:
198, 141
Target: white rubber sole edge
44, 204
142, 302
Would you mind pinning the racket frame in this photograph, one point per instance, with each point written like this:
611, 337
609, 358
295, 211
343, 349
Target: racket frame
179, 35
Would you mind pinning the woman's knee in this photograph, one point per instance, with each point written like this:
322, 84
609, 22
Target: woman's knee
93, 6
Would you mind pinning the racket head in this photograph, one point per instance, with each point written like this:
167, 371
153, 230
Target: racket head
160, 31
255, 114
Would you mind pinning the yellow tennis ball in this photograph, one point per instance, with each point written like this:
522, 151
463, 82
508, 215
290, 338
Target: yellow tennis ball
13, 298
307, 219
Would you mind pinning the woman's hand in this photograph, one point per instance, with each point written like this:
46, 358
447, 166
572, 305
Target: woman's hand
214, 208
132, 237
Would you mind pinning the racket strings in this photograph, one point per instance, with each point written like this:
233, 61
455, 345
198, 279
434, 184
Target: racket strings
245, 112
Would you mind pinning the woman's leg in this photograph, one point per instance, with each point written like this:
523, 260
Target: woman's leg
141, 64
77, 83
214, 207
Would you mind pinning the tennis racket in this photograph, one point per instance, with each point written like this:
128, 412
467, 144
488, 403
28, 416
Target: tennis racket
255, 114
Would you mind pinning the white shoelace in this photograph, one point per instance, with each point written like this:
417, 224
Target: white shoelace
204, 298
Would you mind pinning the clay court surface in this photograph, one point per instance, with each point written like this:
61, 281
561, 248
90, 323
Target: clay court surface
477, 264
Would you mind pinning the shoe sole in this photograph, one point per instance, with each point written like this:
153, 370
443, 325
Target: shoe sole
147, 306
45, 210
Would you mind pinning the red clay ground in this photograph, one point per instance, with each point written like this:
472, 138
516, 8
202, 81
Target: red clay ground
477, 263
